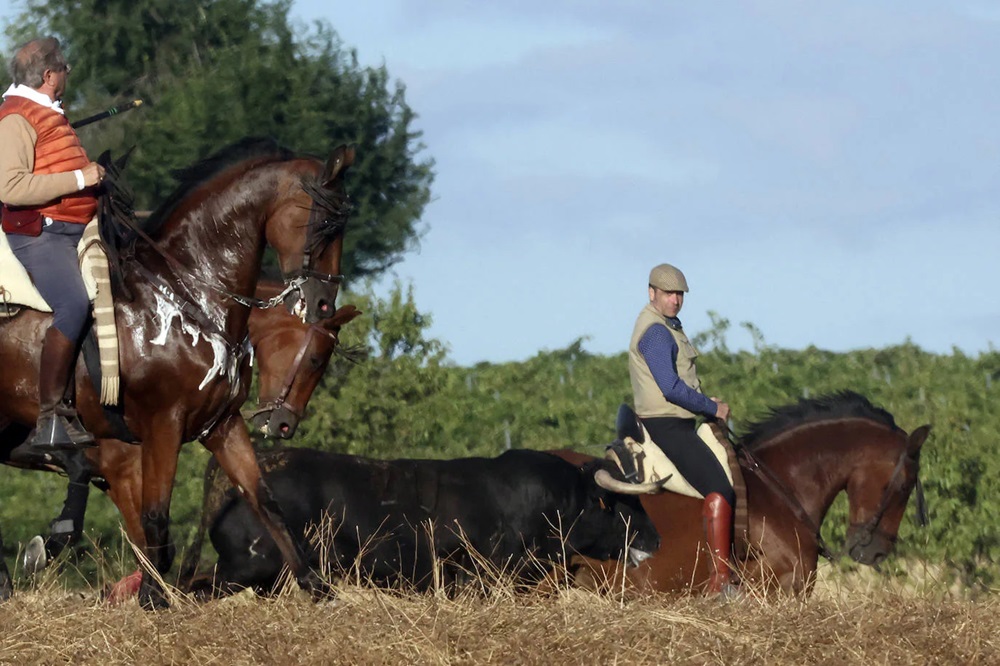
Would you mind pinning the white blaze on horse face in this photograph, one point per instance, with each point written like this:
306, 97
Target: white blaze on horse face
165, 313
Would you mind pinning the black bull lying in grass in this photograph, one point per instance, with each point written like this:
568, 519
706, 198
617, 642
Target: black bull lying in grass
390, 522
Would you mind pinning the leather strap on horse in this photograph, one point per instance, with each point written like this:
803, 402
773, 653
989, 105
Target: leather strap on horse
753, 464
741, 512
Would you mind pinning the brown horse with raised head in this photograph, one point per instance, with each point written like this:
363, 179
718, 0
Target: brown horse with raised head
290, 356
807, 453
184, 352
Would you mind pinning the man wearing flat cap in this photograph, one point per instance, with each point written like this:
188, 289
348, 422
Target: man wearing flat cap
668, 400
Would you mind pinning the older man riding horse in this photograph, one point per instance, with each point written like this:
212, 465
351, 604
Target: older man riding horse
184, 360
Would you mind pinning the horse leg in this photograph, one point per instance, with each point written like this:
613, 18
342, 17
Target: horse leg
161, 445
6, 587
121, 466
231, 446
67, 528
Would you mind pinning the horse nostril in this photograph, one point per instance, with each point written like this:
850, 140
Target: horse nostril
284, 428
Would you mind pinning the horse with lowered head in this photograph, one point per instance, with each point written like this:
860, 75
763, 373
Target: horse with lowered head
795, 463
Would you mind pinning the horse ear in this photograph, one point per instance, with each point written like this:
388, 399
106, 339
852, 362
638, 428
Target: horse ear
917, 439
340, 159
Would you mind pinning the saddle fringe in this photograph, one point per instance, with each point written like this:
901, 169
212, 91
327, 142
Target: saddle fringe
653, 465
94, 257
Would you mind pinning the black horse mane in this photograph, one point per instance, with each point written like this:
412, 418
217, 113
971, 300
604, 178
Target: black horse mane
840, 405
335, 207
192, 177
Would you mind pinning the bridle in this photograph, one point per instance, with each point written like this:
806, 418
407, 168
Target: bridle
281, 400
324, 207
870, 528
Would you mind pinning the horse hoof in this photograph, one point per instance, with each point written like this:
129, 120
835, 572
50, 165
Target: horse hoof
6, 588
35, 559
151, 597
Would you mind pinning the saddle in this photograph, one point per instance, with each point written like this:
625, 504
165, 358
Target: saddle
642, 461
18, 292
635, 448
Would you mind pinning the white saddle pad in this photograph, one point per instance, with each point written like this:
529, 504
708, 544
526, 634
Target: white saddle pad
654, 465
17, 286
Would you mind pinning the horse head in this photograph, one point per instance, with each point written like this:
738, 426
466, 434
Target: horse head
878, 493
291, 359
318, 203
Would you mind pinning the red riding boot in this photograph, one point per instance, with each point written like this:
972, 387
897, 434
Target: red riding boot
718, 515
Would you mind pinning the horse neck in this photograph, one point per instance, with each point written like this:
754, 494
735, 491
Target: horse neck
217, 236
815, 461
269, 321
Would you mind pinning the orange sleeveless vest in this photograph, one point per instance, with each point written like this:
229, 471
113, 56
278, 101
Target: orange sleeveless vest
57, 150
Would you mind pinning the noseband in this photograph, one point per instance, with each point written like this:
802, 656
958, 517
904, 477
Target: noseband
293, 370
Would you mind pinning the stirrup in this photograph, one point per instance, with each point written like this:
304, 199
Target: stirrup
78, 435
730, 592
51, 433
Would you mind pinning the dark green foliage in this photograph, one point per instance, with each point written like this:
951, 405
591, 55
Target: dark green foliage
214, 71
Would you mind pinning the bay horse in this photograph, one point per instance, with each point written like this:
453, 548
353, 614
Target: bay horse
183, 325
290, 356
807, 454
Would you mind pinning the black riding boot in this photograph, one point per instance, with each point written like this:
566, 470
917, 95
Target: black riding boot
58, 426
67, 408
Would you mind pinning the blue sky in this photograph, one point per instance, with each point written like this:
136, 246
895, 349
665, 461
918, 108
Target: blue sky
827, 171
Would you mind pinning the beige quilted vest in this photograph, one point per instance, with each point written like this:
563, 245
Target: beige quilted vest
649, 400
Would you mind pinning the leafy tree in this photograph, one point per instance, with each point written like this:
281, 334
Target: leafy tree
214, 71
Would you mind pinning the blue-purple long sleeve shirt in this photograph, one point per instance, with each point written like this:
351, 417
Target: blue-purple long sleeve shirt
659, 349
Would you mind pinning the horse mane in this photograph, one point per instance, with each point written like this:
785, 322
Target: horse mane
839, 405
192, 177
336, 208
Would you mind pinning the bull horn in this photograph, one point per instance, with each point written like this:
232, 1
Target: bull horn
608, 482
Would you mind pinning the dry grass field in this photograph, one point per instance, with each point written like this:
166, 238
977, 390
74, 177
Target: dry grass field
859, 619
